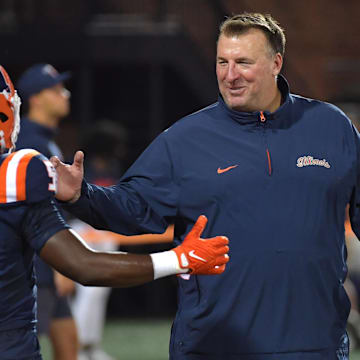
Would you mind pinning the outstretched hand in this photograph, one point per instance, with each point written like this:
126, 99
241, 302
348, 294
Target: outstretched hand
69, 177
203, 256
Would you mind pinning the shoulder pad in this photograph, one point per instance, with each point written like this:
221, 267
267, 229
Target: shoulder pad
26, 175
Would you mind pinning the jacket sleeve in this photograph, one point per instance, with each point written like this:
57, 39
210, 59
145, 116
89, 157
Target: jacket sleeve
354, 210
143, 201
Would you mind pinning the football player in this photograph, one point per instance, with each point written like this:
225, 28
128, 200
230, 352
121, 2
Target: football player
31, 222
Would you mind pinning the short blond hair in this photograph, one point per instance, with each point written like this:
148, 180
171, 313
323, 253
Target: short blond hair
239, 24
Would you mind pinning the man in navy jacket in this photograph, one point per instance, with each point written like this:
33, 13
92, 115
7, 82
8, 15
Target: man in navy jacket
271, 170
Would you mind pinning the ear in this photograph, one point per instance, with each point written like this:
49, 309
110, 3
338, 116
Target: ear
277, 65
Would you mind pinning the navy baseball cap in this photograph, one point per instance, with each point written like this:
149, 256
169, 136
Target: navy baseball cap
37, 78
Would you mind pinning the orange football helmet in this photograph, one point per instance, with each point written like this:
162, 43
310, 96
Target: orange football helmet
9, 113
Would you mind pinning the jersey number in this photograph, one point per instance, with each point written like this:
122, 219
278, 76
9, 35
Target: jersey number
52, 175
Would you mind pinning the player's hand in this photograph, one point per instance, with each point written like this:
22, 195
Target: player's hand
69, 177
203, 256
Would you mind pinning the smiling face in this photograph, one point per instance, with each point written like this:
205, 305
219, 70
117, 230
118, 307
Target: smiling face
246, 69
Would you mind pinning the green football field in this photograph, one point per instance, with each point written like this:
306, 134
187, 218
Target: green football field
138, 339
132, 340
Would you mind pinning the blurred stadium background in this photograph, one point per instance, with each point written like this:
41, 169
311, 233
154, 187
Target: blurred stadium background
132, 339
146, 63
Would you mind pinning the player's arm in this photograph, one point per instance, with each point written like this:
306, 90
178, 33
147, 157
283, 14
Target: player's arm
66, 252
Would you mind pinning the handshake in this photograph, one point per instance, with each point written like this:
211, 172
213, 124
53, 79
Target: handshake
195, 255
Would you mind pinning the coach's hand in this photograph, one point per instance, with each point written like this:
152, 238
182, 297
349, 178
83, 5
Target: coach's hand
69, 177
203, 256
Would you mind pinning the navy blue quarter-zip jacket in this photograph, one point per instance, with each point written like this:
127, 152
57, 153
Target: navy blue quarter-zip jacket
277, 185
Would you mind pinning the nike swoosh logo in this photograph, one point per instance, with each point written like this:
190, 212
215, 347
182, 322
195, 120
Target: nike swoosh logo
220, 171
193, 255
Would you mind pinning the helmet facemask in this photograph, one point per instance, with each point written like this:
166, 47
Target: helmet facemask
9, 113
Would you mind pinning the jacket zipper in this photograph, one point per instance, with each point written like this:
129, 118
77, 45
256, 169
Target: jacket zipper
262, 117
269, 160
263, 120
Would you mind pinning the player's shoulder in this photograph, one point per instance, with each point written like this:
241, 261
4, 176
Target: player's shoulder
195, 121
26, 175
318, 105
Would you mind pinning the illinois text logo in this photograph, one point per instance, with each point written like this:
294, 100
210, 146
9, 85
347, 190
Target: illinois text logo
308, 160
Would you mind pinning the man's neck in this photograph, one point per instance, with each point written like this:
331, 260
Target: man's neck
276, 102
42, 119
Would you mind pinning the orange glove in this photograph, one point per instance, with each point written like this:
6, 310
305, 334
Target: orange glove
202, 256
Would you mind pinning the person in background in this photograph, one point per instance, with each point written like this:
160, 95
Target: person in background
274, 171
30, 222
46, 102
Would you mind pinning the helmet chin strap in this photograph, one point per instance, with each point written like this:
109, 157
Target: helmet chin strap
14, 135
2, 142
